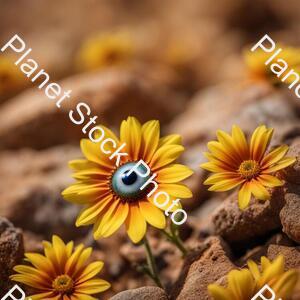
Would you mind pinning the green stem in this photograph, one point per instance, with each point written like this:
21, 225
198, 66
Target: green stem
152, 264
176, 240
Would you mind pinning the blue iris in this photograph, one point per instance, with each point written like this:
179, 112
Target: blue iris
127, 184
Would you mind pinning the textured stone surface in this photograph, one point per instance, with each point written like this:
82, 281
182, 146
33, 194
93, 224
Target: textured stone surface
292, 173
11, 252
210, 264
290, 213
143, 293
258, 219
112, 96
222, 106
30, 190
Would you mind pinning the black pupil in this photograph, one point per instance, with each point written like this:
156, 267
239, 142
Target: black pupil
129, 179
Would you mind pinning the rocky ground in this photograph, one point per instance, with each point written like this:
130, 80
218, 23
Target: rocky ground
194, 98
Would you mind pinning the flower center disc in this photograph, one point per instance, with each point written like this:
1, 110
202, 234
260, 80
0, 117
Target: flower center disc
63, 284
249, 169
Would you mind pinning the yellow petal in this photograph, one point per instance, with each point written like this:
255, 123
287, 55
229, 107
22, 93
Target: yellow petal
215, 178
176, 189
93, 286
274, 156
269, 180
240, 141
131, 134
150, 139
90, 271
226, 184
89, 215
135, 224
282, 164
259, 191
165, 155
152, 214
173, 173
93, 153
111, 220
172, 139
219, 293
244, 196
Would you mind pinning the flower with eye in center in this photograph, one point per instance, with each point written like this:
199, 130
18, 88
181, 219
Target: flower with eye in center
237, 163
62, 273
111, 197
106, 50
246, 283
259, 71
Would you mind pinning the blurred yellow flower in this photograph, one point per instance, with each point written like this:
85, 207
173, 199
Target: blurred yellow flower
112, 198
105, 50
244, 284
11, 78
237, 163
255, 62
62, 273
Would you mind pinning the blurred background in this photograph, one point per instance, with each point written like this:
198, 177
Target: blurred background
180, 62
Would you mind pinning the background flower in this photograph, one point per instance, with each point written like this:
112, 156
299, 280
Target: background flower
105, 50
255, 62
244, 284
112, 198
236, 162
62, 273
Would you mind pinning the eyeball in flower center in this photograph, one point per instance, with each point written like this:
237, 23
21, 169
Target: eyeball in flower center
126, 183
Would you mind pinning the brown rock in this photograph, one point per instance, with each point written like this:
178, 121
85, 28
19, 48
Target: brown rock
290, 213
222, 106
258, 219
30, 191
32, 120
207, 266
292, 173
11, 252
291, 254
143, 293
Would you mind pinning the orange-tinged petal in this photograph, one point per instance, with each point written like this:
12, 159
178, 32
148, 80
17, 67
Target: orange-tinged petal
88, 215
152, 214
135, 223
90, 271
227, 141
213, 167
282, 164
218, 150
111, 220
240, 141
274, 156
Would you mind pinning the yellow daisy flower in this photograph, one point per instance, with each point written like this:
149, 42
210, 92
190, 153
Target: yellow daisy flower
246, 283
105, 50
10, 76
237, 163
62, 273
112, 198
255, 62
